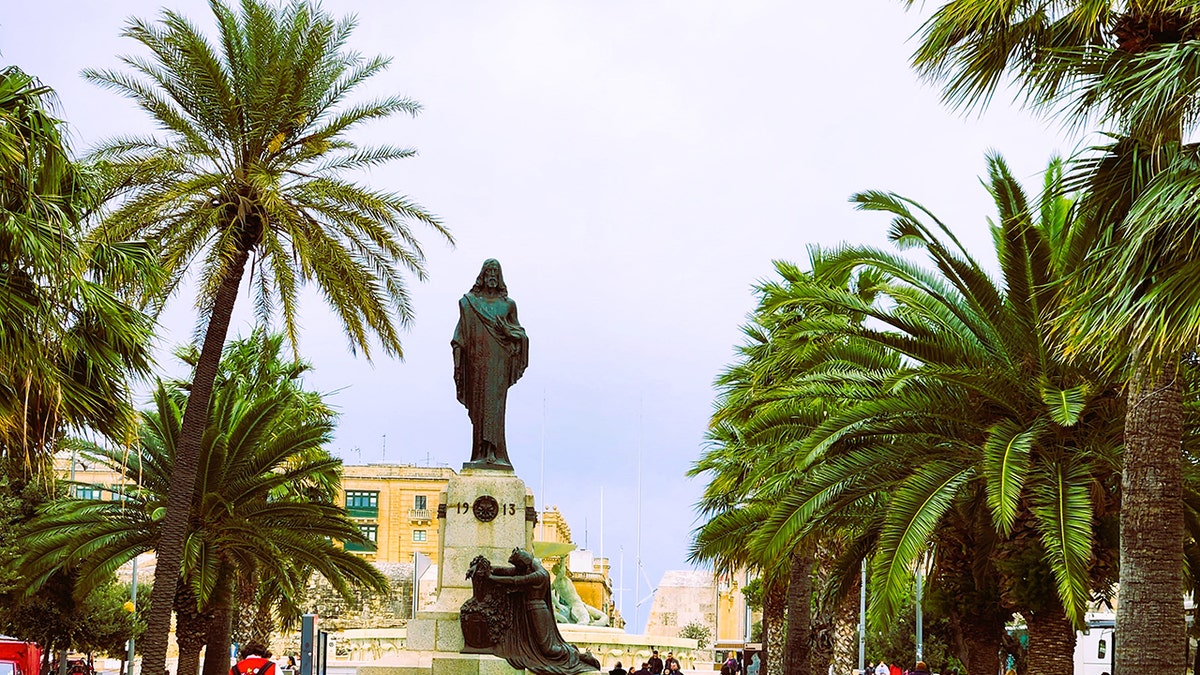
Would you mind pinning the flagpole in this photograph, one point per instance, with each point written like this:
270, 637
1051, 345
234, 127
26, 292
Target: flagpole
637, 607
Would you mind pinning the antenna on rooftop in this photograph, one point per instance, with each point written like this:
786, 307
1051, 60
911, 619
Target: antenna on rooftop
358, 450
385, 448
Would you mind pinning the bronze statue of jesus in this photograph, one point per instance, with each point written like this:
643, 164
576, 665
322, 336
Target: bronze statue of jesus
491, 352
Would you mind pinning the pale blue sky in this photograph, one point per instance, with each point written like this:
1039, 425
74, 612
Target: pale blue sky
635, 166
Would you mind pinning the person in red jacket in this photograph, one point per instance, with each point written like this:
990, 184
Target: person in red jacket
894, 669
255, 660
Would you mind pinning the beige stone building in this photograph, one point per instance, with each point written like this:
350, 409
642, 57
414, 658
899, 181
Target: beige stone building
396, 507
715, 601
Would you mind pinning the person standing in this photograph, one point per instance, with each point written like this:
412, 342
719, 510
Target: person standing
618, 670
656, 664
255, 659
669, 660
731, 665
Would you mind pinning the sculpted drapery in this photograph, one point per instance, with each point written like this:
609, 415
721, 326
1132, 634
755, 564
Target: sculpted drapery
491, 352
509, 615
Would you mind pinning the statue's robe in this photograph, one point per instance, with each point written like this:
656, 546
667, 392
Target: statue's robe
493, 353
533, 642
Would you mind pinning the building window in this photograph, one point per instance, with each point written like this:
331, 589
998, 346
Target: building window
371, 532
419, 535
361, 499
362, 503
419, 513
88, 492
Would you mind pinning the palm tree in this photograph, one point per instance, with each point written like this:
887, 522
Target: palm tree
986, 415
266, 500
69, 343
732, 508
784, 385
1131, 65
248, 171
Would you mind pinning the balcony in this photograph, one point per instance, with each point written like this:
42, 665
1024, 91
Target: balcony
362, 511
420, 515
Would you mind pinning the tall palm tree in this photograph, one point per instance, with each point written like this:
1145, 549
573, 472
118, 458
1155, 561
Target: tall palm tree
266, 500
784, 385
69, 342
248, 171
1131, 65
986, 414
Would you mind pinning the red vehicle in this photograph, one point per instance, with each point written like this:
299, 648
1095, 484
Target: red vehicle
19, 658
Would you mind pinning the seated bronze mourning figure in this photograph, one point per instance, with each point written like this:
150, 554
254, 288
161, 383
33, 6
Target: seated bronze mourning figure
510, 616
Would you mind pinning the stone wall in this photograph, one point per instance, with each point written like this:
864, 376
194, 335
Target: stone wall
369, 610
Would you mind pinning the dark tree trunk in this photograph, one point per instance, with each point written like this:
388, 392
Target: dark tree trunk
191, 629
246, 610
1150, 615
216, 651
189, 657
1051, 642
263, 626
799, 612
169, 549
979, 643
774, 635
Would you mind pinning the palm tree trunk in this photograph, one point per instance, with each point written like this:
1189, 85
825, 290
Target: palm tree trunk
1150, 611
183, 475
263, 626
246, 611
979, 645
216, 652
1051, 642
774, 623
799, 613
189, 657
845, 635
191, 628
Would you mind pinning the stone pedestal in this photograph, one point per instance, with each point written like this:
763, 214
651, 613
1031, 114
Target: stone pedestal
472, 664
482, 512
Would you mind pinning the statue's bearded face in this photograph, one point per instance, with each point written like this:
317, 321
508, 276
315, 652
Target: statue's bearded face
491, 277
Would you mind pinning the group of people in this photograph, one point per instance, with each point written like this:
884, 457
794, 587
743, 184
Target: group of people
885, 669
655, 665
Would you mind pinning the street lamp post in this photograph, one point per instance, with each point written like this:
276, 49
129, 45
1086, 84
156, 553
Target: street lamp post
133, 599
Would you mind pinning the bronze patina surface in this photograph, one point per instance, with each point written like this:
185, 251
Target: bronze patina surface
491, 352
509, 615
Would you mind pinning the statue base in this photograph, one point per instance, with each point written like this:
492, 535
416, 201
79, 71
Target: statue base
472, 664
482, 512
491, 465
